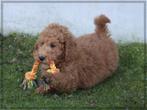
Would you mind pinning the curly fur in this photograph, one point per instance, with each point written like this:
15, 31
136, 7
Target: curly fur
83, 62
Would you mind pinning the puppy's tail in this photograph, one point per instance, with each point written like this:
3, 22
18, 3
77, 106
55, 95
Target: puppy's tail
101, 26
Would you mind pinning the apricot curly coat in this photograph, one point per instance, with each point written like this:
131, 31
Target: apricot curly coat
83, 62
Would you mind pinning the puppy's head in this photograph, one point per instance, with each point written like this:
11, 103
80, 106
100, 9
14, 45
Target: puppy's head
55, 43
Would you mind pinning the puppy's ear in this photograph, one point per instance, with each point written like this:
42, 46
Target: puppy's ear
35, 48
70, 47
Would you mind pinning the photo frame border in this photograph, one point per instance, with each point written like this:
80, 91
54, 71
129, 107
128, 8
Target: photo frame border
57, 1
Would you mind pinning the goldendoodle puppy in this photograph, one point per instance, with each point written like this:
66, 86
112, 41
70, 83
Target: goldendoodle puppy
83, 62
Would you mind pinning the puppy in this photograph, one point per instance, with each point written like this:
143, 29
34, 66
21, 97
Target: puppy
83, 62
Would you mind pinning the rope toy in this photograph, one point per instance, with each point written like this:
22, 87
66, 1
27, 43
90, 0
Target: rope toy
53, 68
30, 76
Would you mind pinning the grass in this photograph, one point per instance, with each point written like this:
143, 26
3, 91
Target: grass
124, 89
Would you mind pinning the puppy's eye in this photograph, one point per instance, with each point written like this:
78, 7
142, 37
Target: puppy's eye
42, 43
52, 45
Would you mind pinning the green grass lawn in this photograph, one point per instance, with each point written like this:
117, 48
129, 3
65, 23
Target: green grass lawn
124, 89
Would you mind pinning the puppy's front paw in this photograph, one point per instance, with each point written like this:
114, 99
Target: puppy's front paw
43, 89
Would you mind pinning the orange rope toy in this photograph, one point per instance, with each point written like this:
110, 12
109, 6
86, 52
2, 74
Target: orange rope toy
30, 76
53, 68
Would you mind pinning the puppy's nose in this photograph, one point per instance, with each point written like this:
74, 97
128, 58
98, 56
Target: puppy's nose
41, 58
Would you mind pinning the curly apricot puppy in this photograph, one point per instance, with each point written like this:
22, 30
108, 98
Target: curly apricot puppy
83, 62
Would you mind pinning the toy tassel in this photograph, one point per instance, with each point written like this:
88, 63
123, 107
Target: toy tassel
28, 82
